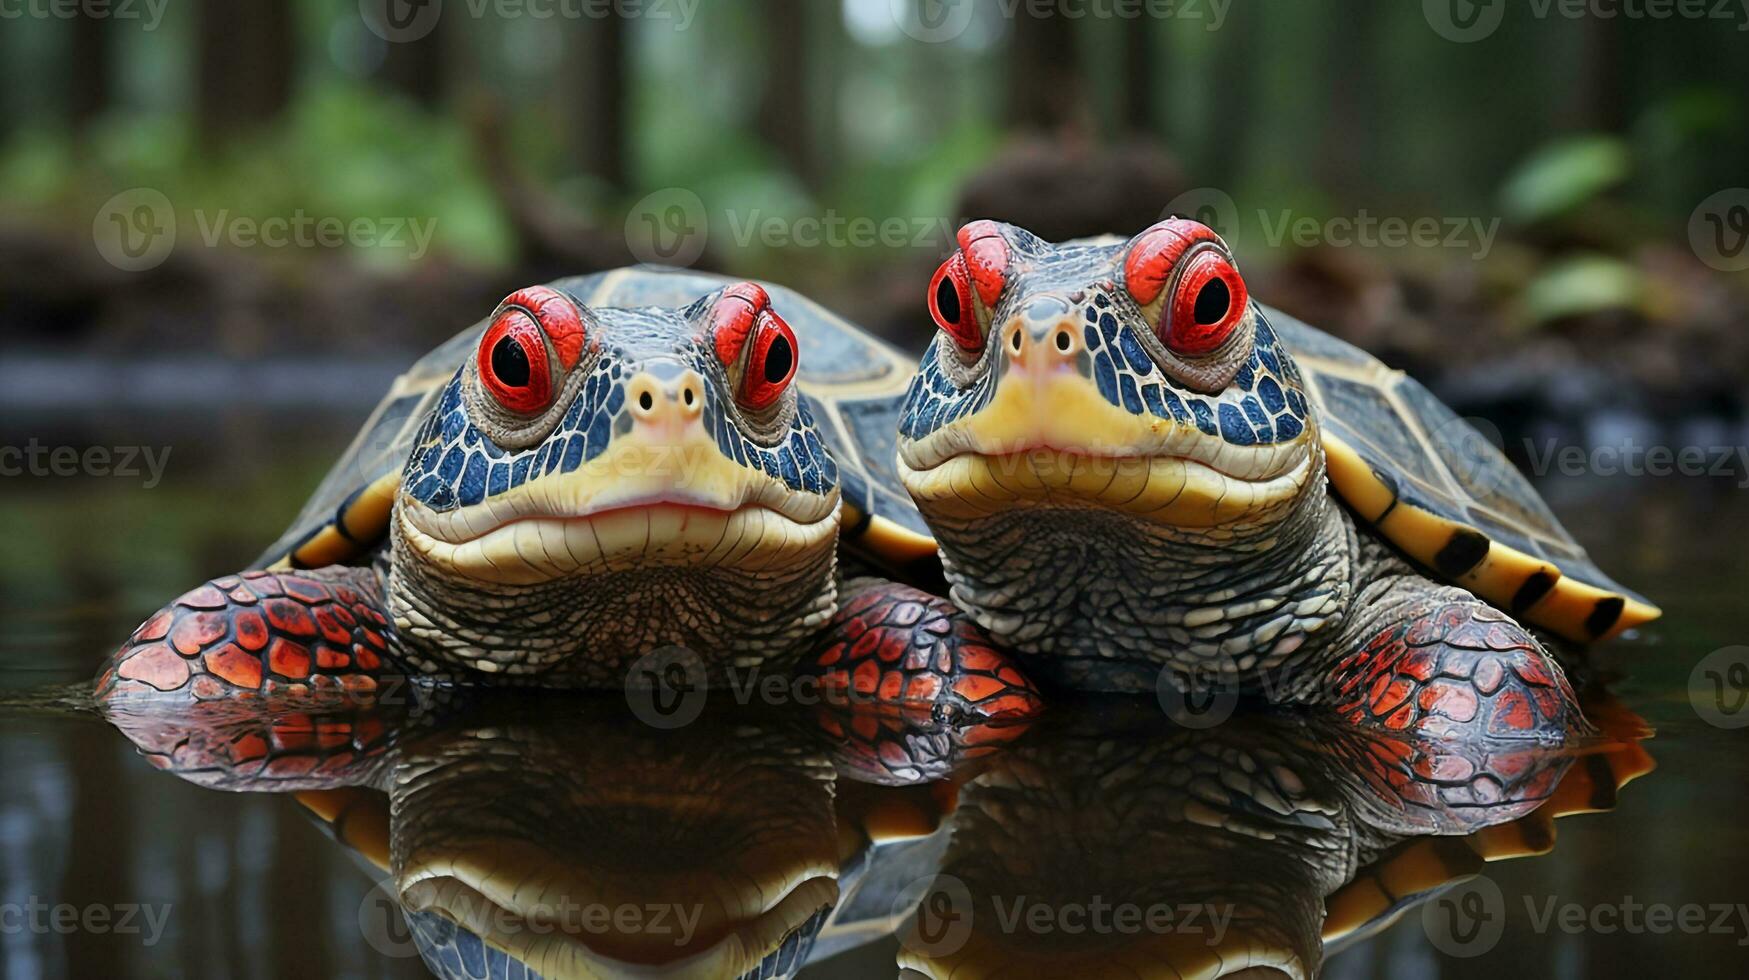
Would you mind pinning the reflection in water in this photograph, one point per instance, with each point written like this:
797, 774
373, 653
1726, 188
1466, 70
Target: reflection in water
561, 835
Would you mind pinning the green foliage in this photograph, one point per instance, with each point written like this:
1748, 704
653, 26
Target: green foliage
1562, 175
1581, 285
343, 151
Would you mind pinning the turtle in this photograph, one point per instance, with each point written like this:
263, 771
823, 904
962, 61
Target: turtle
1139, 478
627, 478
504, 825
1122, 845
515, 831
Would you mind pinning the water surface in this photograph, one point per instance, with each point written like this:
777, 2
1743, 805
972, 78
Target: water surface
255, 887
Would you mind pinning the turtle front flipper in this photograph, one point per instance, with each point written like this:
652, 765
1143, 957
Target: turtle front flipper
313, 631
1444, 664
900, 647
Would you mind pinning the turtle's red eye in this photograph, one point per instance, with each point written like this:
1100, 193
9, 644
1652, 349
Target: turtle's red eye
1207, 298
1208, 302
514, 365
743, 320
950, 304
514, 362
976, 274
771, 364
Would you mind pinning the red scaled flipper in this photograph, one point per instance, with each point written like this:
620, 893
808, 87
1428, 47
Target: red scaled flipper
1456, 668
294, 633
912, 686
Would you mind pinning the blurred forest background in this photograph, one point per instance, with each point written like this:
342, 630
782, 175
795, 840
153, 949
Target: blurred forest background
527, 144
1574, 178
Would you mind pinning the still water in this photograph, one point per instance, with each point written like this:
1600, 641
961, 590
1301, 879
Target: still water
1231, 838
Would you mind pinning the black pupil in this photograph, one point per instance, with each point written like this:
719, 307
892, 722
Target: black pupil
947, 300
1212, 302
777, 360
510, 362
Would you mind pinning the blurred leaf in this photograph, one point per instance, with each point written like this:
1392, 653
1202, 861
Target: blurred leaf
1581, 285
1563, 175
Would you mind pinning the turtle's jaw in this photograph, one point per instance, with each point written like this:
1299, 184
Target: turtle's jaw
1051, 439
644, 503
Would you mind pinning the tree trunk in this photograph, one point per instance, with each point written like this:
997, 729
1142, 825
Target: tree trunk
90, 75
1234, 78
1144, 62
1601, 97
1044, 88
417, 68
784, 120
1347, 153
246, 59
596, 125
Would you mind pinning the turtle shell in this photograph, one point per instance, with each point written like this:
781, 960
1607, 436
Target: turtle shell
852, 382
1439, 490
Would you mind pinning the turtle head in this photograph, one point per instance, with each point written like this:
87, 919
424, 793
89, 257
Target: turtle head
640, 469
1130, 377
